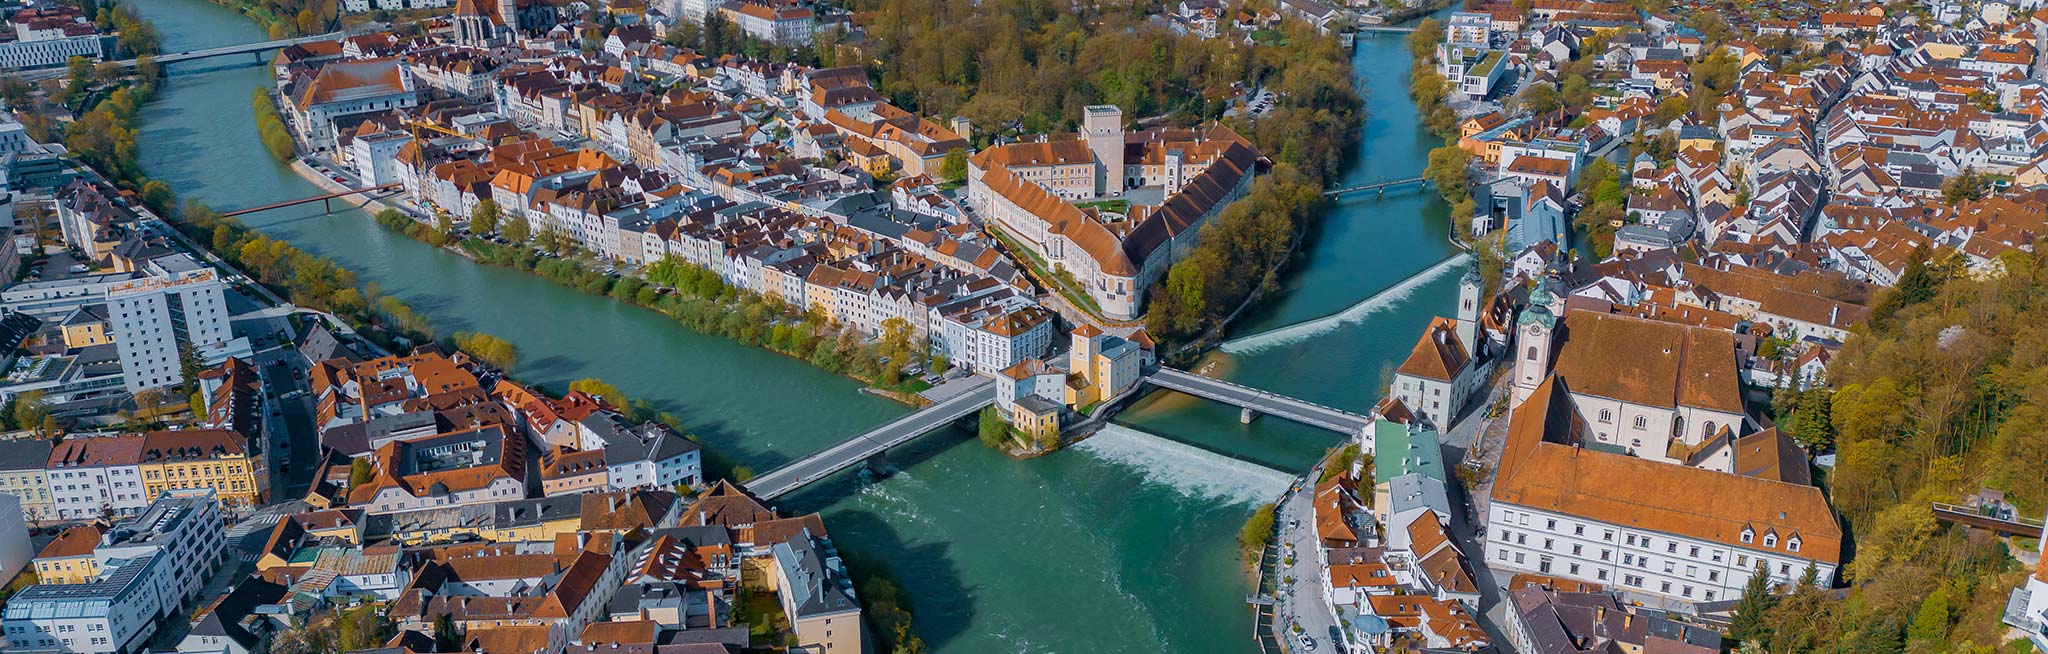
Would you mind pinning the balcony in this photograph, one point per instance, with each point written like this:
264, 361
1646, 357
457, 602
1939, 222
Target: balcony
2017, 618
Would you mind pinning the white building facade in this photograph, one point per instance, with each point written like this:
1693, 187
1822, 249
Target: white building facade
180, 307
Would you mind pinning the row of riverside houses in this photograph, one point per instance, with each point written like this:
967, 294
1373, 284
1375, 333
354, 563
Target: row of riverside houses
588, 149
1391, 573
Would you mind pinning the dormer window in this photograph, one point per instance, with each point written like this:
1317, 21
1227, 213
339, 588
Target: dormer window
1770, 540
1748, 535
1792, 543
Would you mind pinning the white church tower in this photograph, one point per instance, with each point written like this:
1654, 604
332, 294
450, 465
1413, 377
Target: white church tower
1468, 310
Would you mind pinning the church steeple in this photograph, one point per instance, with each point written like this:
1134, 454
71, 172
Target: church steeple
472, 26
508, 17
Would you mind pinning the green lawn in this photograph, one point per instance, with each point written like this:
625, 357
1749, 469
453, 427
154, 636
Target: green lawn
766, 623
1114, 206
1064, 283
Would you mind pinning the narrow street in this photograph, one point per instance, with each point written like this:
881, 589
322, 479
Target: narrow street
1475, 442
1302, 599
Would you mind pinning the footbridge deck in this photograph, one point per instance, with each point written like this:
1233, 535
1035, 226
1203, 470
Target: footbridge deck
786, 479
1262, 402
1381, 186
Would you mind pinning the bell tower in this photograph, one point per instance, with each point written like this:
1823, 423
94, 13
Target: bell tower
508, 16
1535, 335
1469, 288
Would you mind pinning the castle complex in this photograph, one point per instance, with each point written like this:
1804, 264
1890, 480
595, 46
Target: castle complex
1149, 194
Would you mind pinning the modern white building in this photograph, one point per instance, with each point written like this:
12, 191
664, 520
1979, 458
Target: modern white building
182, 523
13, 136
2027, 609
114, 614
375, 157
50, 52
178, 307
149, 565
52, 300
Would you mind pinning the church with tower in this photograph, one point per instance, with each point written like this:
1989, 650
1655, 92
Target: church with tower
492, 23
1449, 363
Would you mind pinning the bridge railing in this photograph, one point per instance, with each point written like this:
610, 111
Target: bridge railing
968, 402
1960, 509
1283, 399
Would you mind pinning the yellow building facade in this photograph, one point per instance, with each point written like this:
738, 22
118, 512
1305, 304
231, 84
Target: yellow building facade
203, 458
69, 559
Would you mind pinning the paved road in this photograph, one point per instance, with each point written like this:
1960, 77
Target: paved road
1302, 601
1477, 437
781, 481
296, 447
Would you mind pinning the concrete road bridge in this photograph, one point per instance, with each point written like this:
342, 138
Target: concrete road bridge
873, 445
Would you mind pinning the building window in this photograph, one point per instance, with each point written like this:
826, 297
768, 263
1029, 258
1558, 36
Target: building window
1606, 416
1642, 422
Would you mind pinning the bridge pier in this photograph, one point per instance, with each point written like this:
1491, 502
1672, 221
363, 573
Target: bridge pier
878, 464
1246, 415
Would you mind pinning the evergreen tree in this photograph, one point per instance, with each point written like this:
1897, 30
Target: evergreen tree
1930, 624
1917, 284
1757, 600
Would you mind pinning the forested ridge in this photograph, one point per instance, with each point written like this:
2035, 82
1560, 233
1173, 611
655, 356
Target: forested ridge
1946, 391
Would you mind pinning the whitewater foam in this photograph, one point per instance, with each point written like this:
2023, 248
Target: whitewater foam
1305, 330
1185, 468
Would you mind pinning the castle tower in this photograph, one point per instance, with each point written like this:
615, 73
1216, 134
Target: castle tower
1535, 334
1103, 127
1081, 352
1469, 287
